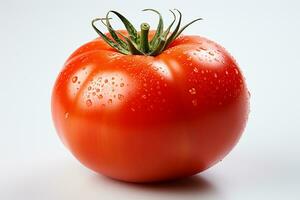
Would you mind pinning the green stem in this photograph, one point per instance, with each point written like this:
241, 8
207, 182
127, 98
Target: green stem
133, 49
159, 48
138, 43
144, 46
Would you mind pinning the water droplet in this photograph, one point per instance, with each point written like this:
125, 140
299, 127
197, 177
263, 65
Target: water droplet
194, 102
211, 53
89, 102
226, 72
236, 71
120, 97
74, 79
249, 94
122, 84
215, 75
192, 91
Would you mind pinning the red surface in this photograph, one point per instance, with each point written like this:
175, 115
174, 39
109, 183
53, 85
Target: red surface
142, 118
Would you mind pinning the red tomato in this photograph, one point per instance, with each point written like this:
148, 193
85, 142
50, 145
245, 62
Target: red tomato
150, 118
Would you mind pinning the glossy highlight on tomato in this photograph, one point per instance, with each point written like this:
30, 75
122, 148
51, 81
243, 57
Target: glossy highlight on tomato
142, 118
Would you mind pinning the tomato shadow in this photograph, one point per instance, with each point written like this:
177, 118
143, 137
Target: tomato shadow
193, 187
66, 180
189, 184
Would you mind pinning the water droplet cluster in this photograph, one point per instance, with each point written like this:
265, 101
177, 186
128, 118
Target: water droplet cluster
214, 84
104, 89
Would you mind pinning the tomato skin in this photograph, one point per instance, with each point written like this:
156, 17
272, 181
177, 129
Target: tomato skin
142, 118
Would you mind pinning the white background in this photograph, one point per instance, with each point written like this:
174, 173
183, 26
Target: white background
37, 36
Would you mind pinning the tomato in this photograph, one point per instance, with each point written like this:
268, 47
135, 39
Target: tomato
143, 118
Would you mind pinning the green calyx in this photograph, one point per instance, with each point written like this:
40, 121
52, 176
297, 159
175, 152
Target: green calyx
137, 43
